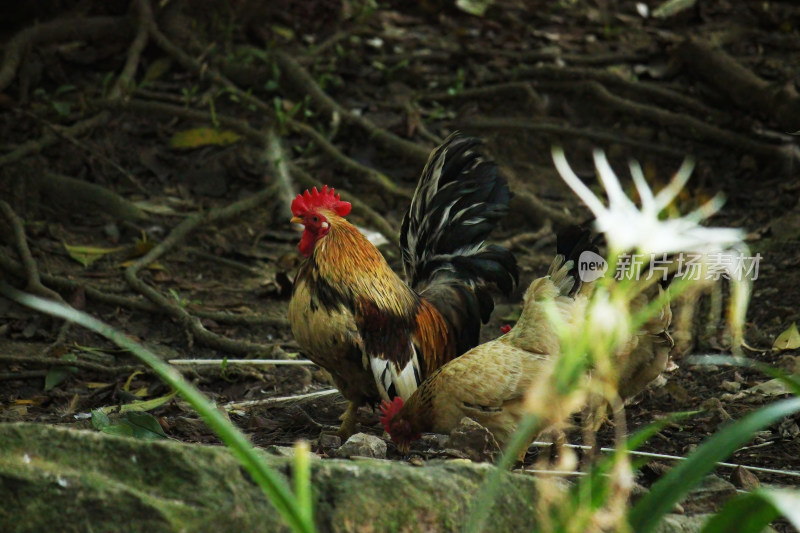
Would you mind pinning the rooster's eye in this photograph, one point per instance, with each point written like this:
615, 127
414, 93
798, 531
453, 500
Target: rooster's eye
315, 219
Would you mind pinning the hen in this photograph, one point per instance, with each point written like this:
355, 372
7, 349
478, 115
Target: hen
489, 383
378, 336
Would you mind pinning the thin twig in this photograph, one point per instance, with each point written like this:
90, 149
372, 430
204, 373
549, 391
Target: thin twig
246, 362
25, 374
793, 473
125, 80
54, 361
278, 160
178, 234
29, 264
281, 399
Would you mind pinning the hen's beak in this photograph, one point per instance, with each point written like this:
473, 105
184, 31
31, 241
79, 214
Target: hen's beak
404, 448
296, 220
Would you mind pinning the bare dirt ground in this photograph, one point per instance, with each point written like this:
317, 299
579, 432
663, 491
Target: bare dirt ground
101, 100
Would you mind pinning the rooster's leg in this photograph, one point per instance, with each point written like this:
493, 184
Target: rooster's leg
348, 426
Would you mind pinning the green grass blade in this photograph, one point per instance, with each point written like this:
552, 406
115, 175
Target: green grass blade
301, 475
272, 483
485, 497
680, 480
751, 513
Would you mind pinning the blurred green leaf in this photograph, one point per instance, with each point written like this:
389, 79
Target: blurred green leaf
197, 137
789, 339
100, 419
57, 374
144, 405
157, 68
669, 490
474, 7
672, 7
134, 424
752, 512
86, 255
62, 108
143, 425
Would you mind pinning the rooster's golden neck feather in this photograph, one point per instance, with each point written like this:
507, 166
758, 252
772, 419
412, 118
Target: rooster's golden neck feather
346, 259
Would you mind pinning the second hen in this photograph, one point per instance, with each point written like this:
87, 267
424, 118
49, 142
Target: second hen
489, 383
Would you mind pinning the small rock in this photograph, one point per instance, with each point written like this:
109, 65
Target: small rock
744, 479
281, 451
363, 445
417, 461
434, 441
748, 162
731, 386
708, 369
653, 471
327, 441
789, 429
474, 440
712, 492
790, 363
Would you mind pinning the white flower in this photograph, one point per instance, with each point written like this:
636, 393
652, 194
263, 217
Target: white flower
628, 228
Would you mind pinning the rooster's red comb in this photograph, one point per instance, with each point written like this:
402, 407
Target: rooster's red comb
389, 410
326, 198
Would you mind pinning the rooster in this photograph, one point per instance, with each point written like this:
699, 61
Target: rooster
378, 336
489, 383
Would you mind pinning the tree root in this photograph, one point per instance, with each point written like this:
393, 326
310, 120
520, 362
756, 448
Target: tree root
35, 146
373, 176
697, 129
57, 30
139, 304
31, 270
84, 195
25, 374
178, 234
302, 81
646, 92
55, 361
34, 282
125, 80
748, 91
570, 132
242, 127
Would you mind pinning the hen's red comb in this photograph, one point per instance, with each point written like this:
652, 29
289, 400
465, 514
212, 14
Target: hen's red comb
326, 198
389, 410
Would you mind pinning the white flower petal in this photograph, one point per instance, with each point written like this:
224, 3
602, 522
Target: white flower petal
616, 196
574, 182
670, 192
645, 194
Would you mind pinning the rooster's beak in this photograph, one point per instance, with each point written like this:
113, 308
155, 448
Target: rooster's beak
296, 220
